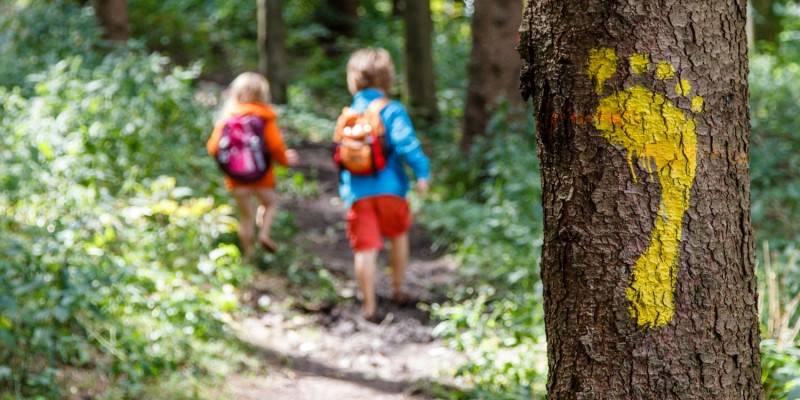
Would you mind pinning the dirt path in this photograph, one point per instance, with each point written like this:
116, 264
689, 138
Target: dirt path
333, 353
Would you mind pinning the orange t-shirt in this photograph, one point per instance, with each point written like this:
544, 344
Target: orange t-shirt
272, 136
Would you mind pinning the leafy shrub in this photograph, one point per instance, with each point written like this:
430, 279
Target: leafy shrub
779, 304
780, 370
775, 200
221, 33
775, 152
117, 258
492, 215
318, 60
787, 46
36, 34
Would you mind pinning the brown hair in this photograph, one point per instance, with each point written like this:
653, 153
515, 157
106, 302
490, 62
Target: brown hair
248, 87
370, 68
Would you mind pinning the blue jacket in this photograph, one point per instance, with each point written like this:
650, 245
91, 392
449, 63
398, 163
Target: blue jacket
402, 146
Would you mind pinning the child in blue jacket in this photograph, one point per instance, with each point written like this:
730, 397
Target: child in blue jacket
377, 205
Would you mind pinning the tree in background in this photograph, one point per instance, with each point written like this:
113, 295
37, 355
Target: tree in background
397, 7
339, 18
113, 17
766, 22
342, 16
420, 80
494, 64
648, 255
272, 54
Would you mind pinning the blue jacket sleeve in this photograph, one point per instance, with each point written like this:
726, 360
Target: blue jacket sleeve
404, 139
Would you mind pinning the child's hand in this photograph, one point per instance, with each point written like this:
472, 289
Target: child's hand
291, 157
422, 186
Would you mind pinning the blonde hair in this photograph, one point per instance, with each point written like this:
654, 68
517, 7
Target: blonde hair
370, 68
248, 87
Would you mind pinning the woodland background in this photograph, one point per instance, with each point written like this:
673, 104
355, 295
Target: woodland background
118, 261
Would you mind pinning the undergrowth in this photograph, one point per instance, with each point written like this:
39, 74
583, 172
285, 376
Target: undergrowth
118, 272
490, 216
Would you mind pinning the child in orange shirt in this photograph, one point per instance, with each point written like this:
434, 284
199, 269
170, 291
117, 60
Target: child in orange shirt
249, 95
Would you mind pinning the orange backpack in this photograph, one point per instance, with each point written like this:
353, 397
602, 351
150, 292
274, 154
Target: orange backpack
360, 140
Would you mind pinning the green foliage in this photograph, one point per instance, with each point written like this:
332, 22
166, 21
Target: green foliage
780, 371
114, 256
775, 201
503, 334
775, 151
144, 112
492, 216
320, 72
779, 303
787, 45
219, 32
38, 33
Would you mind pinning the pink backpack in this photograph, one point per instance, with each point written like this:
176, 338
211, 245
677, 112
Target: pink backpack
243, 154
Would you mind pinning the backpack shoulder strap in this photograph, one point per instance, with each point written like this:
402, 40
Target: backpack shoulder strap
377, 105
373, 115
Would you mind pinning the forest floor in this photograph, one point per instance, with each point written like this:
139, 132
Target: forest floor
330, 352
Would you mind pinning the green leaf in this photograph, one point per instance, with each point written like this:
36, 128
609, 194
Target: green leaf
46, 150
7, 303
61, 314
7, 338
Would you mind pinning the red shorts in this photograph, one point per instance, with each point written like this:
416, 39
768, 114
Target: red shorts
372, 218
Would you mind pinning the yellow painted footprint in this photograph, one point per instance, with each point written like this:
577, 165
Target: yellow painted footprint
659, 134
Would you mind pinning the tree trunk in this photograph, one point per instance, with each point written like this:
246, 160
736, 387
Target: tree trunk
493, 66
766, 22
648, 259
419, 59
113, 18
397, 7
272, 49
341, 16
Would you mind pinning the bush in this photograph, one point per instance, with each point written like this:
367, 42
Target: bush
37, 34
492, 215
779, 305
223, 34
775, 152
116, 258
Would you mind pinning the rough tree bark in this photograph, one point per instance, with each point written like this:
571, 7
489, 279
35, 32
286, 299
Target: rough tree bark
493, 66
272, 49
419, 59
648, 259
113, 17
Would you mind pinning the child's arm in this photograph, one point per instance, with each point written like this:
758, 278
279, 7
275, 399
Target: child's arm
213, 142
277, 149
404, 138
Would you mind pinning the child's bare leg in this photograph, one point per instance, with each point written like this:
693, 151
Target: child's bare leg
398, 259
259, 215
267, 199
365, 261
246, 222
